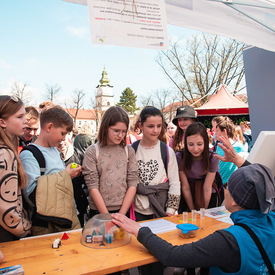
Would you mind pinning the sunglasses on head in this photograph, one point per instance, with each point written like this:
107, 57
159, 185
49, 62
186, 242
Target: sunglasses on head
12, 98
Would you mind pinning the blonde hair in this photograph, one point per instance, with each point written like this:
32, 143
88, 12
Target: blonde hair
227, 125
32, 115
245, 124
238, 134
218, 119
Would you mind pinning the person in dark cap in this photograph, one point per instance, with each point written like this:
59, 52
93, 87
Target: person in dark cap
185, 116
250, 197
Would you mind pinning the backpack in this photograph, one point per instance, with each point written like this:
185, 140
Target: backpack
219, 183
79, 194
29, 201
164, 153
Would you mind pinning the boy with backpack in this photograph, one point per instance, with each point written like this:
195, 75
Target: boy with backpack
49, 195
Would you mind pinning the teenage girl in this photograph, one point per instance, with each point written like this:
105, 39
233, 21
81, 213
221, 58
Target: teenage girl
158, 192
13, 220
197, 168
184, 117
110, 167
152, 172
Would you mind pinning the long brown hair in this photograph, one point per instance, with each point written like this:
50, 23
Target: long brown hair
113, 115
177, 139
178, 142
196, 128
9, 106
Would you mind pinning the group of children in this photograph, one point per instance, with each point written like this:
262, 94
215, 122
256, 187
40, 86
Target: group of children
145, 180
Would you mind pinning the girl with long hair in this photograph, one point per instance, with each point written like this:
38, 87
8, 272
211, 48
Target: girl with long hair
152, 169
14, 223
158, 192
110, 167
184, 117
197, 169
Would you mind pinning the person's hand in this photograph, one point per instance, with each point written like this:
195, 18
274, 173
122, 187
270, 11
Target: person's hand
168, 214
230, 154
125, 223
74, 172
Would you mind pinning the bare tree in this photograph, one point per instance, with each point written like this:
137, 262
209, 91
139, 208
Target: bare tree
77, 103
201, 64
147, 100
22, 90
52, 91
162, 98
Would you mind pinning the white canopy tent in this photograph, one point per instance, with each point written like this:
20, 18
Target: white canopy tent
249, 21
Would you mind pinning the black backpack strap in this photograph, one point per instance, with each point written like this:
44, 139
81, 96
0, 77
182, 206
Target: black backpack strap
135, 145
164, 155
38, 156
260, 247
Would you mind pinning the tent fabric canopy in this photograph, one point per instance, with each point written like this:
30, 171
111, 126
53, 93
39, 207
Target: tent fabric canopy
223, 103
249, 21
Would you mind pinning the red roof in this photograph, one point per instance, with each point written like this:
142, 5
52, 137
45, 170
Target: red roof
82, 113
175, 105
223, 103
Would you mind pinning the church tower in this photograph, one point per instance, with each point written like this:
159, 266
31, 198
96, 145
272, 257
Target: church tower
104, 96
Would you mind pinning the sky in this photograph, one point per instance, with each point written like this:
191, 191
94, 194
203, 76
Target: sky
48, 42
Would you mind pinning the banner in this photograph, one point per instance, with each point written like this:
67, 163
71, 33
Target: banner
132, 23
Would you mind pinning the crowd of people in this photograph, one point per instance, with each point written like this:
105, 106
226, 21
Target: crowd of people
143, 171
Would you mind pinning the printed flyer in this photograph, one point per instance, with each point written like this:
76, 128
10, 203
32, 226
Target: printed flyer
131, 23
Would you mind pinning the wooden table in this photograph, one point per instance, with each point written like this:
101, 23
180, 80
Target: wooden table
37, 256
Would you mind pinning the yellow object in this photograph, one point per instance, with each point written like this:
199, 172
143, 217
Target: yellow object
74, 165
120, 233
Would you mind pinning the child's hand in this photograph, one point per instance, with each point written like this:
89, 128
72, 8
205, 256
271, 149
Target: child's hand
74, 172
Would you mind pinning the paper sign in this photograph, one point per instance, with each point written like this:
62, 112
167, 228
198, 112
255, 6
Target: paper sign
217, 212
160, 226
132, 23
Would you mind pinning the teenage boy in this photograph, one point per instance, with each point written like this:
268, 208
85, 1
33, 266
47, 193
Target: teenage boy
49, 194
32, 122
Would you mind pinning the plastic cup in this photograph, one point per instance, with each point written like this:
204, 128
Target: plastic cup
184, 217
194, 215
202, 213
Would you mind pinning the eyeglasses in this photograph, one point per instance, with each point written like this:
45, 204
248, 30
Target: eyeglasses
225, 186
117, 132
13, 98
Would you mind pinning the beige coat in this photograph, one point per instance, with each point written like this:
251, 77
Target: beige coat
55, 200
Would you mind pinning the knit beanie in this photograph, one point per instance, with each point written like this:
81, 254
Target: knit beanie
252, 187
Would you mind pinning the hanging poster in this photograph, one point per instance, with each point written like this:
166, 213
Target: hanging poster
132, 23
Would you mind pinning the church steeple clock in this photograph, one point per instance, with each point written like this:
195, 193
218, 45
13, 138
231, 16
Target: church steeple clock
104, 96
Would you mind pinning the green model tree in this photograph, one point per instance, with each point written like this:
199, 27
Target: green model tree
128, 101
